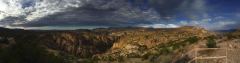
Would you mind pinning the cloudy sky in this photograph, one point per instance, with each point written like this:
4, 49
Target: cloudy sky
75, 14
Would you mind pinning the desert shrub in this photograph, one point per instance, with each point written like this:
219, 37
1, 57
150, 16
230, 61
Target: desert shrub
166, 50
211, 43
192, 40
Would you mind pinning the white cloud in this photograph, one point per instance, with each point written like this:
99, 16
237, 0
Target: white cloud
40, 9
3, 6
215, 23
160, 26
48, 7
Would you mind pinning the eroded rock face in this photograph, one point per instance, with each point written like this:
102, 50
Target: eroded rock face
144, 42
81, 44
158, 36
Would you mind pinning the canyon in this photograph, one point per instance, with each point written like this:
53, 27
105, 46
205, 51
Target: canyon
104, 45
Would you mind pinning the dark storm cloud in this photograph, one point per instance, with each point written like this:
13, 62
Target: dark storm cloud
166, 7
120, 13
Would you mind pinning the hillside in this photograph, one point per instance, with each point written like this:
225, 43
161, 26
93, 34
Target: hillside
99, 45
